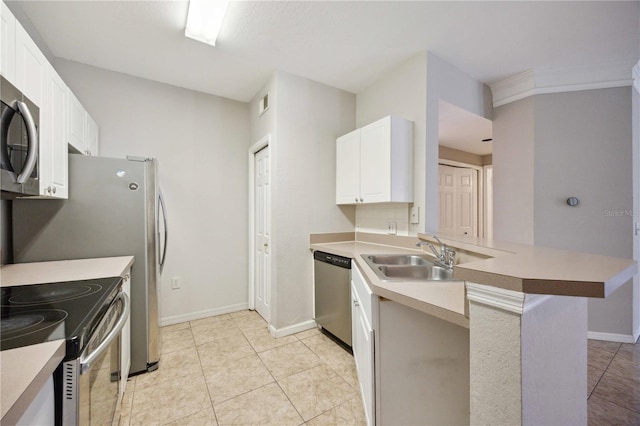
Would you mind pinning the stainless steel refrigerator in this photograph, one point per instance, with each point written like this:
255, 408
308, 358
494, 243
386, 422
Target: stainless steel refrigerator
114, 209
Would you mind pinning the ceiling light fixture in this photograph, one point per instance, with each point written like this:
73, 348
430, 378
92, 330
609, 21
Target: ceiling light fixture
204, 19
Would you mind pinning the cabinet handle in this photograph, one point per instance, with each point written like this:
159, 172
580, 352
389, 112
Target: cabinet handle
54, 189
361, 200
356, 199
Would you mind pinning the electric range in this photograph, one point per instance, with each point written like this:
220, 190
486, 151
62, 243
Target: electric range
69, 310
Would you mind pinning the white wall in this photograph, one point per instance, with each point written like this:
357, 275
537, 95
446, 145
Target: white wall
401, 92
513, 169
308, 118
583, 148
412, 90
201, 143
446, 82
550, 147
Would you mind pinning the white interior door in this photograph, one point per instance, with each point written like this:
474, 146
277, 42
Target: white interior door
458, 200
446, 186
262, 237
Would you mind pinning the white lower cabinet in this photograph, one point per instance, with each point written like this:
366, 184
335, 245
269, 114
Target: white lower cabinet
363, 340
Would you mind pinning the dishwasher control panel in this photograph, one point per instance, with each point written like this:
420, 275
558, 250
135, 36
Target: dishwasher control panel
343, 262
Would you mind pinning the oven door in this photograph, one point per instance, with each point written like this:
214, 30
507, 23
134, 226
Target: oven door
19, 118
91, 389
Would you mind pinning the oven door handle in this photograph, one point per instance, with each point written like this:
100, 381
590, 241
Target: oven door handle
86, 361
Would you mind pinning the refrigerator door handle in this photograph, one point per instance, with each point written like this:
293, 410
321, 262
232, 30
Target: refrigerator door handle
166, 231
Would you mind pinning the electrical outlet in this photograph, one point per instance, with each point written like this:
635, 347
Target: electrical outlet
392, 227
176, 283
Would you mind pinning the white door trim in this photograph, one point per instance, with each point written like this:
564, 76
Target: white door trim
262, 143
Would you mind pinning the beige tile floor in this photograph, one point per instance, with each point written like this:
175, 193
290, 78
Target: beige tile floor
613, 383
228, 370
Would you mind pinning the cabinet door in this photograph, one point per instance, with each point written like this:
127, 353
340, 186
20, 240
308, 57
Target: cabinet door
92, 135
76, 124
363, 354
56, 110
53, 142
348, 168
30, 67
8, 44
375, 161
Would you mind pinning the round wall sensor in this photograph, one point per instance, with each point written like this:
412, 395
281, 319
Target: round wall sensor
573, 201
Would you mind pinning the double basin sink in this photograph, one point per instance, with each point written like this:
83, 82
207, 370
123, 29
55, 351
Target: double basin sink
407, 267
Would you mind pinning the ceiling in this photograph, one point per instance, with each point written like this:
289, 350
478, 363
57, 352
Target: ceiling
348, 45
462, 130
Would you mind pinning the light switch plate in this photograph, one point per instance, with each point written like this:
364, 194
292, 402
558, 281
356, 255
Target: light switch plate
414, 218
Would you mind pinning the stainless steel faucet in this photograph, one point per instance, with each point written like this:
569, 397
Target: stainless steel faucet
446, 255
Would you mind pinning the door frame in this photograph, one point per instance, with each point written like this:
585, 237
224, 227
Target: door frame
480, 177
635, 136
253, 150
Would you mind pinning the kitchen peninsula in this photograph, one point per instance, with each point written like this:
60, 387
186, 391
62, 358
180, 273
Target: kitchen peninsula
526, 311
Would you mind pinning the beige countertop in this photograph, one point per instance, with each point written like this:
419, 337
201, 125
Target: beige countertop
63, 270
540, 270
517, 267
25, 370
443, 299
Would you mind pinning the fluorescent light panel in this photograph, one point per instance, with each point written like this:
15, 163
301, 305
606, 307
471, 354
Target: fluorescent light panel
204, 19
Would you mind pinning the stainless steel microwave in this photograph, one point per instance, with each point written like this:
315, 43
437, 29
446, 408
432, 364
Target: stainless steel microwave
19, 124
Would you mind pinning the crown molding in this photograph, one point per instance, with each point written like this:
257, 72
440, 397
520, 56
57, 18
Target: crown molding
545, 80
506, 300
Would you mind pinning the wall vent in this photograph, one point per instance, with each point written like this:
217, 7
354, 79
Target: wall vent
264, 104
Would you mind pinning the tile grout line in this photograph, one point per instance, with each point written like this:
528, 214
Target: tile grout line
603, 372
215, 416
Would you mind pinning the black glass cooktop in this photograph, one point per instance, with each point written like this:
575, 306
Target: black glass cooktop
43, 312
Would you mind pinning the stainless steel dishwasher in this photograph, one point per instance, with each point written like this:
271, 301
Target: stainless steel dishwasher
332, 284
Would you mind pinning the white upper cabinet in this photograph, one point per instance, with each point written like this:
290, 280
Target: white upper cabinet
28, 69
8, 48
31, 67
76, 116
53, 140
92, 134
374, 164
348, 168
82, 128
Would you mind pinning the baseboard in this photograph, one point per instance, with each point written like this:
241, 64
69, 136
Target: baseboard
613, 337
291, 329
176, 319
636, 334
